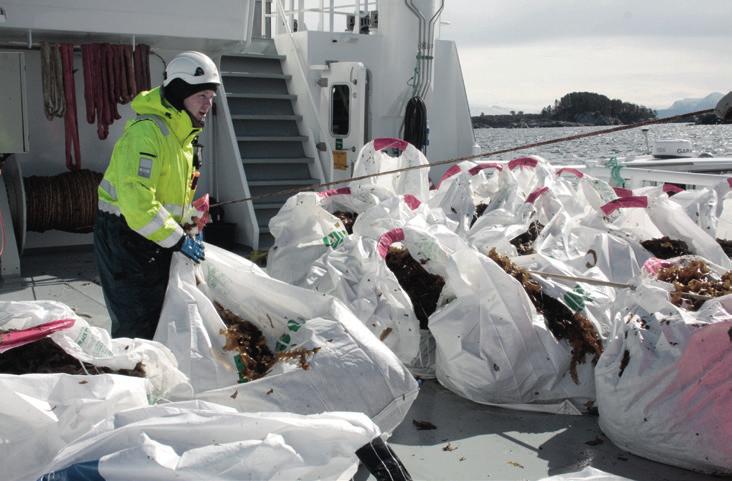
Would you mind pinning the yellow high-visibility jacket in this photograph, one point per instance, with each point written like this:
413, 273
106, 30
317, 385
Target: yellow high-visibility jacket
148, 180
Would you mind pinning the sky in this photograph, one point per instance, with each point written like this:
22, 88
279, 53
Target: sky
523, 54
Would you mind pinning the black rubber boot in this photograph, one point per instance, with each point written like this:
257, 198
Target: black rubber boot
382, 461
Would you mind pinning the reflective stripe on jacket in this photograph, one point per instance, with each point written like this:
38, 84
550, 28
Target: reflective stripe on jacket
148, 180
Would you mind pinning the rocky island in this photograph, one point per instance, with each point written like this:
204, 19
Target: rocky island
573, 109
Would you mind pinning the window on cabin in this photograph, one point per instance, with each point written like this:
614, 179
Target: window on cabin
340, 100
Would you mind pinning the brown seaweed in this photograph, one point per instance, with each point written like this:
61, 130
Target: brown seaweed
46, 357
666, 248
422, 287
347, 218
524, 243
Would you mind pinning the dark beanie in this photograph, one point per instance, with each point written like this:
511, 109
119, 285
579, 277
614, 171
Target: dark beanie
178, 90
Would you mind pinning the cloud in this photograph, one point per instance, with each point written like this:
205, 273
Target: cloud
531, 77
502, 22
525, 54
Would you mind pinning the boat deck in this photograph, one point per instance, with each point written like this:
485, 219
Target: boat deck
470, 442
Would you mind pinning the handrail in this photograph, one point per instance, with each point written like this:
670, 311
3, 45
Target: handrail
351, 8
638, 175
301, 70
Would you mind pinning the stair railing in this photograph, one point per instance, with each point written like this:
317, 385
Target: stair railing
230, 177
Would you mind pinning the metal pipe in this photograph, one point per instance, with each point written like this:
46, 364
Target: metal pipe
356, 17
321, 17
263, 31
300, 14
291, 19
433, 21
420, 42
332, 15
430, 50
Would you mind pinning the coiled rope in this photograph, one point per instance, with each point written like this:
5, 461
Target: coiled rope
66, 202
415, 123
314, 187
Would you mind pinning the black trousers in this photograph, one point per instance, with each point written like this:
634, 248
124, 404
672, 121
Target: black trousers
134, 274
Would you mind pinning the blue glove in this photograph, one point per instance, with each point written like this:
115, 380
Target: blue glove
193, 248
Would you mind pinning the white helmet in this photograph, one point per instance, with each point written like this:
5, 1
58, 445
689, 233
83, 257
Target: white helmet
193, 68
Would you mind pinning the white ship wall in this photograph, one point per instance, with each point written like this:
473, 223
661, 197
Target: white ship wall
169, 26
47, 154
213, 19
449, 114
451, 134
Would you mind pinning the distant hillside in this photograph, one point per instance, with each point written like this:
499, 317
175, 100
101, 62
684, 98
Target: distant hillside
576, 108
684, 106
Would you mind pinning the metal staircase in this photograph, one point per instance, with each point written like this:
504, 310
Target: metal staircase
267, 132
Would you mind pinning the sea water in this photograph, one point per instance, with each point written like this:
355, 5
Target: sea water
713, 139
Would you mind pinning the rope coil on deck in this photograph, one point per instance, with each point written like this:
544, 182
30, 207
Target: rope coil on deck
66, 202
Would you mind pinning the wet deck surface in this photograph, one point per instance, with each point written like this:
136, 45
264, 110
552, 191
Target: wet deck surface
69, 276
470, 442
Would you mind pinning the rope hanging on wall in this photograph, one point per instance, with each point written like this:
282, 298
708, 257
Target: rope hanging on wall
112, 74
54, 102
71, 125
415, 123
66, 202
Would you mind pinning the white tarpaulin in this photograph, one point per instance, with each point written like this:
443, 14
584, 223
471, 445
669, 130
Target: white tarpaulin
40, 414
157, 444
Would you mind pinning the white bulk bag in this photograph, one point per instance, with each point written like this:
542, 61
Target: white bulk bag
430, 245
589, 250
723, 210
356, 274
654, 216
530, 173
350, 362
94, 345
196, 440
593, 300
486, 178
374, 159
701, 207
394, 212
465, 185
456, 201
663, 382
579, 192
303, 230
497, 227
494, 348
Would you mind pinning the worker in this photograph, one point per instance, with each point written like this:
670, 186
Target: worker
146, 190
724, 108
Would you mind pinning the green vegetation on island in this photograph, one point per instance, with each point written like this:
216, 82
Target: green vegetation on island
574, 109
